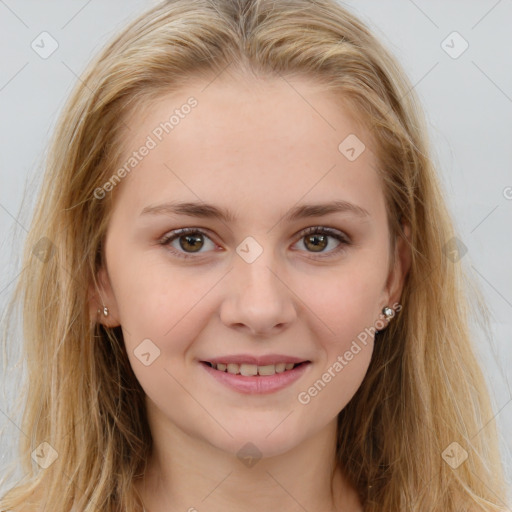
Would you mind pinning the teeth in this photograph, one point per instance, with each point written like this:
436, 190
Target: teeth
233, 368
249, 370
270, 369
280, 367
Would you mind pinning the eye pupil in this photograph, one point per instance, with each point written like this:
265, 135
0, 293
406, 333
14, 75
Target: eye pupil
314, 239
195, 242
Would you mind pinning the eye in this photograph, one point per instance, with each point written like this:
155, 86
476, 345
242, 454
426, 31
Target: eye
186, 242
190, 240
316, 240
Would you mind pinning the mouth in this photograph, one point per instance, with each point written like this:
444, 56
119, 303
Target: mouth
253, 370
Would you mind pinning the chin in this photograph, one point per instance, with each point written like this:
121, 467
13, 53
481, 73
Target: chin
260, 441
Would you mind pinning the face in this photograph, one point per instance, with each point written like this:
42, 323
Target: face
259, 278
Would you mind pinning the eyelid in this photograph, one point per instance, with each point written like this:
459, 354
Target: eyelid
335, 233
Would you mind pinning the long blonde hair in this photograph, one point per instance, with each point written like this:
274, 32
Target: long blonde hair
424, 389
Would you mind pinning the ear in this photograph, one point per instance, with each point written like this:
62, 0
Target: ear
103, 297
402, 263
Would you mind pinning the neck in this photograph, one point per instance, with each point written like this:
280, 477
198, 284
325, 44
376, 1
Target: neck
186, 473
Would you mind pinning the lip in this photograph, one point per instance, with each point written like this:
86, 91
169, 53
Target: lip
260, 384
257, 360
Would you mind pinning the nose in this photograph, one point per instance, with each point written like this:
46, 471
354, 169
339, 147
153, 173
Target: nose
257, 300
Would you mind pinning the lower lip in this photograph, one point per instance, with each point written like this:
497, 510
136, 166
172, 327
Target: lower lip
258, 384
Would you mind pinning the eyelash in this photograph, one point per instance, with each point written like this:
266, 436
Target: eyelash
321, 230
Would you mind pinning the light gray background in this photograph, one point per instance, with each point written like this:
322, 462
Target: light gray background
468, 101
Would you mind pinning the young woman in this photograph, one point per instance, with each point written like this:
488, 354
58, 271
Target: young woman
240, 297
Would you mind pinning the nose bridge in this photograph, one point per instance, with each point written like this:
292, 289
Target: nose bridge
257, 297
255, 272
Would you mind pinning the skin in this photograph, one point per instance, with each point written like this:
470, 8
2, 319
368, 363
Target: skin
257, 148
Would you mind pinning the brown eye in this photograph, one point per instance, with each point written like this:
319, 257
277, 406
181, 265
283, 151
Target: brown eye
187, 241
317, 239
316, 243
191, 242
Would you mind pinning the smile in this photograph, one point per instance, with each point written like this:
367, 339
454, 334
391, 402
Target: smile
248, 378
250, 370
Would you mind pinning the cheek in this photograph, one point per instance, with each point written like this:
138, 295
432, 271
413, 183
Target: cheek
346, 301
346, 349
345, 306
148, 302
163, 305
162, 313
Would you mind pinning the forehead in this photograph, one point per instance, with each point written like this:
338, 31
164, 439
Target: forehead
264, 141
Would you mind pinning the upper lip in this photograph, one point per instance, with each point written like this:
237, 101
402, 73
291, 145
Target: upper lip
257, 360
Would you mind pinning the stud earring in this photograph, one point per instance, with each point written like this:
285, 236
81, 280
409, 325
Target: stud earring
388, 312
105, 311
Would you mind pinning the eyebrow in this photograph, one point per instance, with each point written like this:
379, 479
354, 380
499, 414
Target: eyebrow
205, 210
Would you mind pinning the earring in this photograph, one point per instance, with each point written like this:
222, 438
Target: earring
388, 312
105, 311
